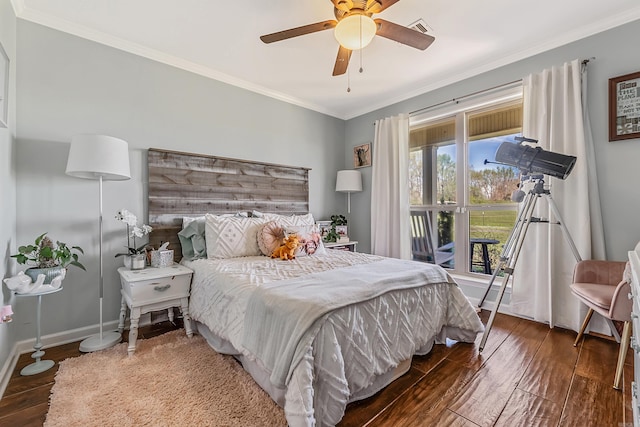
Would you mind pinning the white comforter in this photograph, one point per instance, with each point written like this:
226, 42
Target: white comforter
374, 335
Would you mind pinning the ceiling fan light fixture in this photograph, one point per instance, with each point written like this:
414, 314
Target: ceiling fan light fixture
355, 31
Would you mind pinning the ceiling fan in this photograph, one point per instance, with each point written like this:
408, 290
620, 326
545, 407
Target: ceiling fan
355, 28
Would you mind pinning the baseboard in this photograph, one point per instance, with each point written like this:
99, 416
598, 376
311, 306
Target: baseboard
7, 369
60, 338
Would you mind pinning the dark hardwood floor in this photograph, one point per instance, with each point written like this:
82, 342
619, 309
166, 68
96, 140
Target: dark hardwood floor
527, 375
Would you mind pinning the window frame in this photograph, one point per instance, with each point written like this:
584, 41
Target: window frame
460, 110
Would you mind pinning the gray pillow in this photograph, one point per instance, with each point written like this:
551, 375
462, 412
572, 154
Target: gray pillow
192, 240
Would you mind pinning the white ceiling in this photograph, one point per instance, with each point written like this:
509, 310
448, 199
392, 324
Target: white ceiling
221, 40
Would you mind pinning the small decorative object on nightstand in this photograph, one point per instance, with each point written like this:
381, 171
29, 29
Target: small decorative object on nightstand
154, 289
344, 246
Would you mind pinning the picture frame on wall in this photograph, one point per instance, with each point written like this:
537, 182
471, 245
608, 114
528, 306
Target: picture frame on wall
624, 107
362, 155
4, 87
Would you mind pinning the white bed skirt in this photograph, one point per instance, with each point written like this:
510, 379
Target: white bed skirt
261, 376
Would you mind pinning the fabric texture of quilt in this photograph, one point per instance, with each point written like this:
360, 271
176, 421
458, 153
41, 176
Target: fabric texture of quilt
393, 321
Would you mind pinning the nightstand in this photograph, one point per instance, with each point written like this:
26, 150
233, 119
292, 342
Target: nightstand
153, 289
344, 246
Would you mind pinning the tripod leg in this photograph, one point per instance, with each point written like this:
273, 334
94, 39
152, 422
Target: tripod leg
493, 278
507, 249
487, 328
516, 239
565, 231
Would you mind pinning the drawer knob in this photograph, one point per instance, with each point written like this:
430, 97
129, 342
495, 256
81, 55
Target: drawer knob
630, 295
634, 316
634, 345
161, 288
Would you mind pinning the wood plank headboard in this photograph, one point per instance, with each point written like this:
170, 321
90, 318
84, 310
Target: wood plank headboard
184, 184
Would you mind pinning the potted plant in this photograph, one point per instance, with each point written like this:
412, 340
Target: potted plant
332, 235
135, 258
48, 258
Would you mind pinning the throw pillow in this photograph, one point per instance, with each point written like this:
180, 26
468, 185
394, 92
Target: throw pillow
289, 220
309, 237
229, 237
192, 239
270, 237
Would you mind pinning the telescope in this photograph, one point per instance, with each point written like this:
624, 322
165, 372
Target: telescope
534, 160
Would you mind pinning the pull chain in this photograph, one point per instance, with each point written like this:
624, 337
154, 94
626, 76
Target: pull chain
360, 44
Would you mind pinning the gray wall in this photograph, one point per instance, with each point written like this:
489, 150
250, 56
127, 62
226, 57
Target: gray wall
69, 85
616, 53
7, 178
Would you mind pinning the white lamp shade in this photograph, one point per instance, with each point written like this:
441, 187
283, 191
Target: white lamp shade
355, 32
349, 181
95, 156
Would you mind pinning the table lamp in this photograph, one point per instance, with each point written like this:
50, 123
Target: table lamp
349, 181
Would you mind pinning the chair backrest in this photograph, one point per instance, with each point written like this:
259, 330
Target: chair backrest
422, 242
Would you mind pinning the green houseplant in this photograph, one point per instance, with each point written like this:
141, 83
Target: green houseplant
332, 235
48, 258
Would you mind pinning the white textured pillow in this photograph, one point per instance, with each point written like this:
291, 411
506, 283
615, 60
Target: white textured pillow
290, 220
309, 237
230, 237
186, 220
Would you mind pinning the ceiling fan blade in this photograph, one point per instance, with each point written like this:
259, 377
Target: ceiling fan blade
298, 31
377, 6
403, 35
342, 61
343, 5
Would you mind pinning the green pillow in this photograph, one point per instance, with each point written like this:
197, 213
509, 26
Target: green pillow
192, 240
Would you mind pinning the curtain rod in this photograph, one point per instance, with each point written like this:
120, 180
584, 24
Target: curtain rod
480, 92
470, 95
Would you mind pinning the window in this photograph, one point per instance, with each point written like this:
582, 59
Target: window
454, 178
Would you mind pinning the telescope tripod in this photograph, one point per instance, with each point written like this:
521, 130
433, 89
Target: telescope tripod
513, 245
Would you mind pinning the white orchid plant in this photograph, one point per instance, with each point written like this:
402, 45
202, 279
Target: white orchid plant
133, 231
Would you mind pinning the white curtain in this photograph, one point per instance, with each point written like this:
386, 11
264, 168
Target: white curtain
554, 115
390, 222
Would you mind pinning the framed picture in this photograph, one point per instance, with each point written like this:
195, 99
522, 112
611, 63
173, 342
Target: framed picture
624, 107
324, 227
341, 230
362, 155
4, 87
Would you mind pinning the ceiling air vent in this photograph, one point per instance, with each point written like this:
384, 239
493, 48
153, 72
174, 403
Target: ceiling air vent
422, 27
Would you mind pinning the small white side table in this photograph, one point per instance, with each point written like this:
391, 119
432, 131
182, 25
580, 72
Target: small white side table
345, 246
39, 365
153, 289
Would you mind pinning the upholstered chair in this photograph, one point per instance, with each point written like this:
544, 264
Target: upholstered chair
604, 286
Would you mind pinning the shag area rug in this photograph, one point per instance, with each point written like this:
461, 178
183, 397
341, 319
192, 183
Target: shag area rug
171, 380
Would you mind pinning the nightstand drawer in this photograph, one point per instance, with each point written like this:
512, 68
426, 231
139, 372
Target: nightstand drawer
152, 285
158, 289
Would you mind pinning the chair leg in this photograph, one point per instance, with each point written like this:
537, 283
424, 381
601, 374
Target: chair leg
622, 354
586, 321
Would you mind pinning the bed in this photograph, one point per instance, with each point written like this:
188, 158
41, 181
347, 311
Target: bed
317, 332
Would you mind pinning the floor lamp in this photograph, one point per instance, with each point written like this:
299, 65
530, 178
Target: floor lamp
103, 158
349, 181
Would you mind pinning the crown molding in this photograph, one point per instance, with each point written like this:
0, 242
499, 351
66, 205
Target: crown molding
48, 20
25, 13
563, 39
